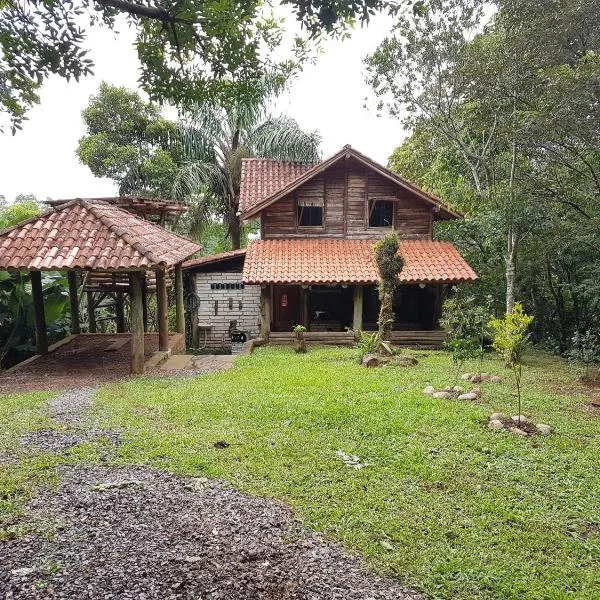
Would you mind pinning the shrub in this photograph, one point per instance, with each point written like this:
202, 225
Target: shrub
510, 339
389, 264
585, 350
300, 345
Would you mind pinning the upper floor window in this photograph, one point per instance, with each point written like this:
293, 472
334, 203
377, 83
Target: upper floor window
310, 212
381, 213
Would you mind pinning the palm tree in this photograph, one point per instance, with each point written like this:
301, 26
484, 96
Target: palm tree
216, 139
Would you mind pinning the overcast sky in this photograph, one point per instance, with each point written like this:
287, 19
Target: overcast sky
327, 96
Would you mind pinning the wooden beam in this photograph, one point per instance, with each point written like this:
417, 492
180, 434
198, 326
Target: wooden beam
358, 308
74, 301
41, 335
179, 307
136, 284
265, 311
120, 312
163, 302
91, 311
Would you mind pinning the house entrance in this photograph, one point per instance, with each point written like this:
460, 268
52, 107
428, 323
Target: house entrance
287, 307
330, 308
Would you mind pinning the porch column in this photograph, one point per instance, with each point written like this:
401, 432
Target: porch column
179, 308
136, 283
120, 312
74, 301
358, 308
265, 311
145, 302
41, 335
91, 311
162, 300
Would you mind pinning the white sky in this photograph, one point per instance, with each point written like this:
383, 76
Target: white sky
327, 96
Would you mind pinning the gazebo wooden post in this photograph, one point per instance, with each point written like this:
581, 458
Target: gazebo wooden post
120, 312
41, 335
91, 311
162, 301
179, 308
145, 303
74, 300
136, 279
358, 309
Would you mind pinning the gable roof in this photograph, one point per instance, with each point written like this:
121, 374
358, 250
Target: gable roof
82, 234
261, 178
262, 190
322, 261
213, 258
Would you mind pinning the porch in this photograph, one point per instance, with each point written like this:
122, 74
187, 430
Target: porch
426, 340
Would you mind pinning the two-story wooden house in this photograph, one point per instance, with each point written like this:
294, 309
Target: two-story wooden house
314, 264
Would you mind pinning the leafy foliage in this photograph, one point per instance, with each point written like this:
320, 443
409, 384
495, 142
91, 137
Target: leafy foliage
510, 339
585, 350
389, 264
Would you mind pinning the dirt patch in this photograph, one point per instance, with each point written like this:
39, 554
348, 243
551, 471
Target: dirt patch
137, 533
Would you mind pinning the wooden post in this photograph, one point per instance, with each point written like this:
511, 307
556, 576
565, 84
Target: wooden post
136, 284
145, 302
120, 312
358, 308
74, 300
179, 308
265, 312
162, 301
91, 311
41, 335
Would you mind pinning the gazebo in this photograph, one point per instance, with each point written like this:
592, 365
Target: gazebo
94, 237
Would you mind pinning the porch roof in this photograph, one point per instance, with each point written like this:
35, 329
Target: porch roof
314, 261
93, 235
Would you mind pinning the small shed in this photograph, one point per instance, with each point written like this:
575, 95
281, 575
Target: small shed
86, 237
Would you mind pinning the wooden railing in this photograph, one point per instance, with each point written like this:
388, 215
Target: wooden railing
413, 339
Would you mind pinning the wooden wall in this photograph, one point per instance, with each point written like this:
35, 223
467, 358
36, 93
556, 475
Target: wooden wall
347, 189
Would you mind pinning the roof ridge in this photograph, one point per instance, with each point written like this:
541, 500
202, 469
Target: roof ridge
119, 231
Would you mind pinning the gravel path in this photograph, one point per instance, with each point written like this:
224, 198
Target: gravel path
137, 533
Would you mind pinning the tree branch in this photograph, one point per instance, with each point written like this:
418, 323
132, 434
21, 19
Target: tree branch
139, 10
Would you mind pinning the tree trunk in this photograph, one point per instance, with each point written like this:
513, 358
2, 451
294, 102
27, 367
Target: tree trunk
235, 232
511, 270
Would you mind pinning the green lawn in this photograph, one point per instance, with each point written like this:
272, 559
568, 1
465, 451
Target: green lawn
468, 513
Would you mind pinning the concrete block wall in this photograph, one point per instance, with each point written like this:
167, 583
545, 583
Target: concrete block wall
247, 317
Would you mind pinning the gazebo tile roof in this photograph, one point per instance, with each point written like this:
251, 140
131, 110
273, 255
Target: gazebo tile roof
94, 235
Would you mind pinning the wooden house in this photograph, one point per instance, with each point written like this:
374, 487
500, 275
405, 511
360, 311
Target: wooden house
314, 263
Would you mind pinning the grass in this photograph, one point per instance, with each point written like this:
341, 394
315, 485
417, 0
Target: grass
467, 513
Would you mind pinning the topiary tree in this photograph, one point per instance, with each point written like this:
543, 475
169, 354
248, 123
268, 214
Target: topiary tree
300, 345
389, 264
510, 339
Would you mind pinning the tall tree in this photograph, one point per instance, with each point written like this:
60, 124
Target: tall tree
189, 50
128, 140
215, 140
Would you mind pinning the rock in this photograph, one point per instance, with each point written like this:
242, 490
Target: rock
118, 485
476, 379
22, 571
407, 361
221, 444
495, 379
521, 419
476, 391
496, 416
466, 376
443, 395
468, 396
484, 375
495, 424
544, 429
429, 390
457, 389
518, 431
448, 388
385, 544
370, 361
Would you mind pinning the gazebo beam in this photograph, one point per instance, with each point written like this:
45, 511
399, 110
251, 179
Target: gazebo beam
41, 335
74, 300
162, 301
179, 307
136, 280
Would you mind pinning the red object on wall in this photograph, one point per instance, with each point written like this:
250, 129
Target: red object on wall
284, 300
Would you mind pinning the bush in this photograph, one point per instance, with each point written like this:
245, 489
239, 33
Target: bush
585, 350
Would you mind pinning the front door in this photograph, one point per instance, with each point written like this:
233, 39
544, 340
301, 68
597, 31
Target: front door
286, 300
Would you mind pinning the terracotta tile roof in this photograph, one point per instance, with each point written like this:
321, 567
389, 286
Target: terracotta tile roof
90, 235
261, 178
349, 261
266, 181
213, 258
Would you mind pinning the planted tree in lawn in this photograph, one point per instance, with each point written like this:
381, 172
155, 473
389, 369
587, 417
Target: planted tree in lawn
510, 339
300, 345
389, 264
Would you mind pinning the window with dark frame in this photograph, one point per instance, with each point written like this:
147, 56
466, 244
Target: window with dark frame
310, 214
381, 213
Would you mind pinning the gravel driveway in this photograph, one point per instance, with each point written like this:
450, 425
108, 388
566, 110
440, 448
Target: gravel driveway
137, 533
